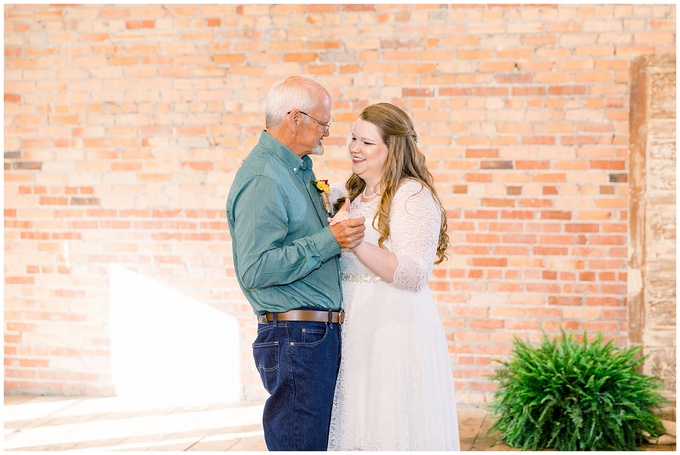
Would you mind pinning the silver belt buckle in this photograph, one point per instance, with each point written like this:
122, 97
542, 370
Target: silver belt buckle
262, 318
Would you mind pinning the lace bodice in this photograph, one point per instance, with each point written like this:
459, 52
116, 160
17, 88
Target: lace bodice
414, 235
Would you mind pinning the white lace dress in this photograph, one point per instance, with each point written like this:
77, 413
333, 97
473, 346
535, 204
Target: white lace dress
395, 387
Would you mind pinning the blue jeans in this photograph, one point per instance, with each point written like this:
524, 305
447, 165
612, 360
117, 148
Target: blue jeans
298, 363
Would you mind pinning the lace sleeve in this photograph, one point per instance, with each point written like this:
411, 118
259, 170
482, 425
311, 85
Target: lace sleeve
415, 220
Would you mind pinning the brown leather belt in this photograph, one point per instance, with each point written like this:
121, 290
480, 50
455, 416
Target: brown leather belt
336, 317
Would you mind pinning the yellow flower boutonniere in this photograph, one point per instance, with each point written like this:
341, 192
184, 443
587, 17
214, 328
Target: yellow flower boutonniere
324, 190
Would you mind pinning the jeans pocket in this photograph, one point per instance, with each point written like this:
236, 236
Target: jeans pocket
311, 336
266, 357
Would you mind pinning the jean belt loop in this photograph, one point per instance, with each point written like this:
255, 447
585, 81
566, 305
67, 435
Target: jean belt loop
276, 319
330, 318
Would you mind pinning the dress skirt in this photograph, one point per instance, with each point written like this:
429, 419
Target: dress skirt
395, 388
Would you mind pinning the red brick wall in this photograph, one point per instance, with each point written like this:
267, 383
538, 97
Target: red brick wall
124, 126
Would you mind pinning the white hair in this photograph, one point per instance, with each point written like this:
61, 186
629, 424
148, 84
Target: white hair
294, 92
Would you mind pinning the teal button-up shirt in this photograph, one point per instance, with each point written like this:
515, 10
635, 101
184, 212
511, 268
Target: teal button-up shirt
285, 255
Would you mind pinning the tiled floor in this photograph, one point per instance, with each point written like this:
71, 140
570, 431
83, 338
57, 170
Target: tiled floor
62, 423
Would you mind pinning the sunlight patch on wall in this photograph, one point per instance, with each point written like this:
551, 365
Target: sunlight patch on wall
167, 347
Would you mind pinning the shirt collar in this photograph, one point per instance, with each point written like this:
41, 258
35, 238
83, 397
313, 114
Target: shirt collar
286, 155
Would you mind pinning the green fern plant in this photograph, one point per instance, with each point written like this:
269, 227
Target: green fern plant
566, 395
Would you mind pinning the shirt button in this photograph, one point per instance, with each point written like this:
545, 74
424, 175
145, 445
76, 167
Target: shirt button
295, 169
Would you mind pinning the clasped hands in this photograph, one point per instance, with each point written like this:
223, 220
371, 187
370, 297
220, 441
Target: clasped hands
348, 232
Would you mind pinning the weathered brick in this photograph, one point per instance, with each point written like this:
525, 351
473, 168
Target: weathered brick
122, 150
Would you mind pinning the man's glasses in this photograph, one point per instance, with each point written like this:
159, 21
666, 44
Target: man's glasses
325, 126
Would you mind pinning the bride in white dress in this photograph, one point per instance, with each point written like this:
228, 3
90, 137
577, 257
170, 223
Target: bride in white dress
395, 388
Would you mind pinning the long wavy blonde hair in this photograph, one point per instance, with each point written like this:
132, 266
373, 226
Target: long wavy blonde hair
404, 161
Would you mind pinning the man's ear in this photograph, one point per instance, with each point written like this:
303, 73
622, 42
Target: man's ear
293, 120
294, 116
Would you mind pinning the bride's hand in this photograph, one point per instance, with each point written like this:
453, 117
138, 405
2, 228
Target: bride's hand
342, 215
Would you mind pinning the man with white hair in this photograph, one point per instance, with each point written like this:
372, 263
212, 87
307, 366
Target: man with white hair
286, 261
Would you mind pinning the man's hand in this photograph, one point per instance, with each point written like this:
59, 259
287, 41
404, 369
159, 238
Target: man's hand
349, 233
